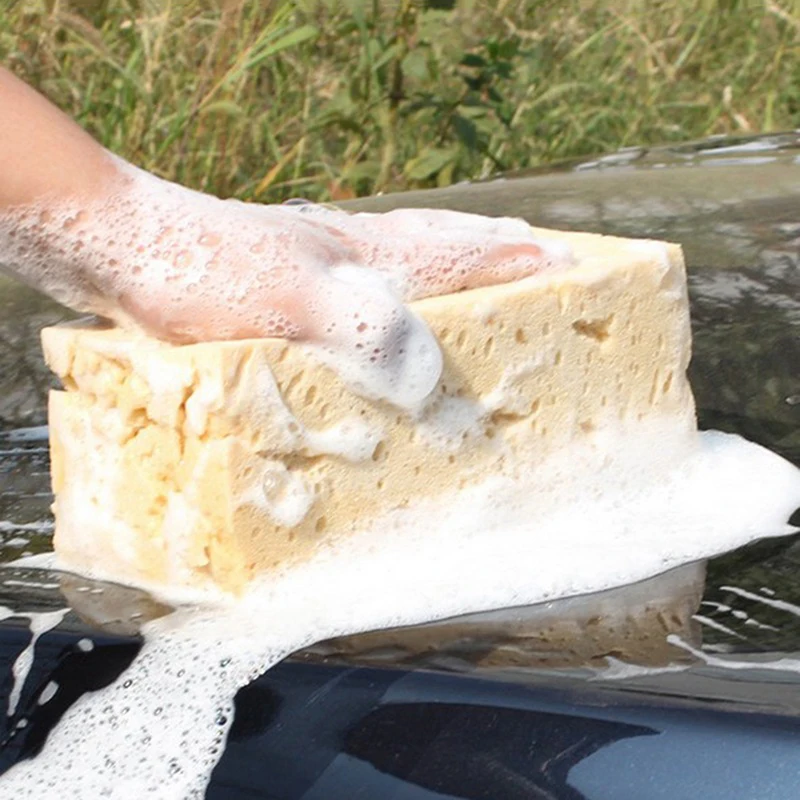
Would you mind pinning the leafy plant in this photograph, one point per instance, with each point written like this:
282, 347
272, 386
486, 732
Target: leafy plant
334, 98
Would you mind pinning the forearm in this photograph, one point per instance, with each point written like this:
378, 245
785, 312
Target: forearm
50, 171
43, 153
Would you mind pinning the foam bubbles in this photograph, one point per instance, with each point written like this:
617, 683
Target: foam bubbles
382, 350
159, 729
285, 495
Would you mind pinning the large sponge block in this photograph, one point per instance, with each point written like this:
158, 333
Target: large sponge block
209, 464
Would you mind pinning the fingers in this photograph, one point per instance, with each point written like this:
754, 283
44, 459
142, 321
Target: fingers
183, 312
304, 289
426, 269
425, 252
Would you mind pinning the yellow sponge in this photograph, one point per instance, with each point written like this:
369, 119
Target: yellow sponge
208, 464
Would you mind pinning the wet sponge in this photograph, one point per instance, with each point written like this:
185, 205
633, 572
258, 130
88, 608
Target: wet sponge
205, 465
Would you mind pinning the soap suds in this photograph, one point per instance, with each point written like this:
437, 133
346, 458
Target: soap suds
717, 626
352, 439
447, 422
39, 622
738, 614
200, 402
285, 495
737, 663
180, 519
48, 693
158, 731
780, 605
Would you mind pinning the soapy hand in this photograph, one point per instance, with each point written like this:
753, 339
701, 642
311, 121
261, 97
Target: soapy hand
110, 239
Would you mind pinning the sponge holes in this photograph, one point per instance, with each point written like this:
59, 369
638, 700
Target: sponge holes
664, 386
292, 384
380, 452
486, 349
597, 329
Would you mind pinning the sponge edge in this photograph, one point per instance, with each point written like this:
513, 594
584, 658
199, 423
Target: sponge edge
206, 465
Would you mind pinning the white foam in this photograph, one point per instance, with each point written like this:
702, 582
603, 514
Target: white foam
48, 693
393, 355
447, 422
717, 626
158, 730
30, 584
287, 497
40, 622
780, 605
616, 670
352, 439
747, 661
742, 616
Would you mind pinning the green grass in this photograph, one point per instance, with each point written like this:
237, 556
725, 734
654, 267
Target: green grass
329, 98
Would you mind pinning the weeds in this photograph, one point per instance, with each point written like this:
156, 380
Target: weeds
330, 99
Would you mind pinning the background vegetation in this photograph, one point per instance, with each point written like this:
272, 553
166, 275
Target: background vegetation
333, 98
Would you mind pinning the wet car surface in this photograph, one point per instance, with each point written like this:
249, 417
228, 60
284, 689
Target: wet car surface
683, 687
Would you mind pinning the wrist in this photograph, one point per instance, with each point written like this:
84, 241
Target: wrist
47, 241
79, 247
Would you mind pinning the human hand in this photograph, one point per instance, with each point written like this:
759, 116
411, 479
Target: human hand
102, 236
185, 267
